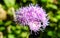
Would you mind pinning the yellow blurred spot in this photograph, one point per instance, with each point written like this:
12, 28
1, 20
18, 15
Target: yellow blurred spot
3, 14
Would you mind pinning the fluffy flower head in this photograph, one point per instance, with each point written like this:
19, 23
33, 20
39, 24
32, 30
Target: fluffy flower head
33, 16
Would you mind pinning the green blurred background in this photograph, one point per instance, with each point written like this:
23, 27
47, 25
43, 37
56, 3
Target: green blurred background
9, 29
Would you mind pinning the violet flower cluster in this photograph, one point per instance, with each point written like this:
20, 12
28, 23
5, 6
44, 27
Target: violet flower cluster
33, 16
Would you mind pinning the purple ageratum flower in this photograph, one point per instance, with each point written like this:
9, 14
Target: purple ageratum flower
33, 16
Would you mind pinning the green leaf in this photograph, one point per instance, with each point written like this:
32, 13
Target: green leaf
4, 37
24, 1
25, 28
13, 28
52, 24
51, 6
24, 34
43, 0
33, 1
50, 1
11, 36
10, 11
8, 23
50, 33
54, 7
18, 27
9, 3
58, 17
58, 34
58, 12
53, 19
17, 31
50, 13
56, 28
2, 28
1, 22
59, 25
9, 29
